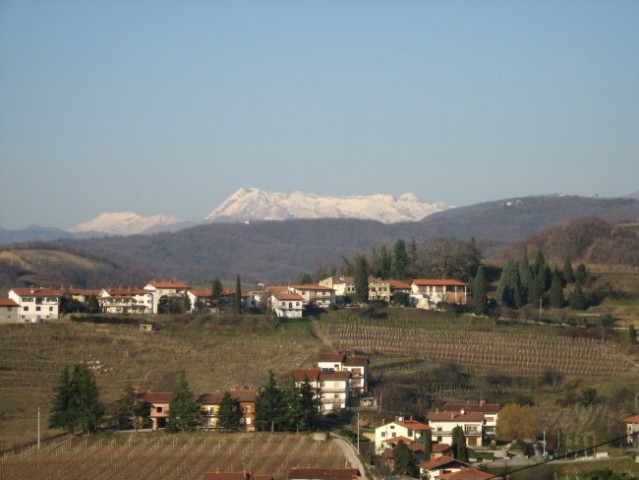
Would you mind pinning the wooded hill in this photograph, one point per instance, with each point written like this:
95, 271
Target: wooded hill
282, 251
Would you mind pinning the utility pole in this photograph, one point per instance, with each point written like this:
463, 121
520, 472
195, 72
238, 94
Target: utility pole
38, 428
358, 433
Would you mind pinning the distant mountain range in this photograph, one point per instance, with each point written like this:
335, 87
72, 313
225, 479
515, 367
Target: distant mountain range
247, 204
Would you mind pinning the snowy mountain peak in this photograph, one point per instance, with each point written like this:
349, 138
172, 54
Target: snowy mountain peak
128, 223
256, 204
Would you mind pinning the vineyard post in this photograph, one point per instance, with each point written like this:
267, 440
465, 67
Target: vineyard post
38, 428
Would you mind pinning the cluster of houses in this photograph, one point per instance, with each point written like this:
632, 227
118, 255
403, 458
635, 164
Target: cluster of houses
477, 420
37, 304
338, 382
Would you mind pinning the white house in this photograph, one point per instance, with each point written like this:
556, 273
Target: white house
343, 286
287, 305
428, 293
334, 391
315, 294
632, 428
489, 410
438, 468
9, 311
125, 301
36, 303
407, 430
357, 365
443, 423
159, 289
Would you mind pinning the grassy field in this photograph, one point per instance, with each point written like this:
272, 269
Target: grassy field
166, 456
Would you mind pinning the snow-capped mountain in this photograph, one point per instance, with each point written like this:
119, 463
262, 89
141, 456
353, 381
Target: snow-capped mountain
256, 204
129, 223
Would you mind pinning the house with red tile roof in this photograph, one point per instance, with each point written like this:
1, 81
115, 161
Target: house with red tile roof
469, 473
632, 428
357, 365
9, 311
125, 301
344, 287
287, 305
165, 288
303, 473
443, 423
210, 407
36, 303
443, 465
406, 429
429, 293
489, 410
159, 403
314, 294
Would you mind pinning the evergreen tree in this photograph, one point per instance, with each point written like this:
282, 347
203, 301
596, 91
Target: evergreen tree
427, 440
310, 405
184, 412
632, 334
534, 295
480, 292
541, 272
59, 416
508, 282
581, 275
124, 409
460, 451
76, 404
230, 414
93, 306
569, 274
381, 263
525, 273
403, 460
268, 406
360, 279
294, 414
556, 293
237, 299
411, 267
216, 293
400, 260
578, 299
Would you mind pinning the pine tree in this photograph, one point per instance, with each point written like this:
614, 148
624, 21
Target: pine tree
294, 414
310, 404
268, 406
360, 279
509, 280
581, 275
403, 460
480, 292
556, 293
59, 416
216, 293
525, 273
400, 260
184, 412
230, 414
76, 405
578, 299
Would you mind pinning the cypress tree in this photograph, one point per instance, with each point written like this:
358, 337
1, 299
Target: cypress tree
460, 451
525, 274
400, 260
632, 334
360, 279
581, 275
505, 294
268, 406
556, 293
480, 292
237, 299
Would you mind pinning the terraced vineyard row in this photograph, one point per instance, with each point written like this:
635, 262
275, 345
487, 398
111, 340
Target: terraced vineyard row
158, 455
485, 351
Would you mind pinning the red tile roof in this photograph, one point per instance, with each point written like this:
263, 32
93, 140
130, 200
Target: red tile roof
441, 462
169, 284
37, 292
356, 361
128, 292
155, 397
401, 438
423, 282
632, 419
412, 425
83, 291
333, 357
7, 302
455, 417
202, 293
312, 286
300, 473
398, 285
335, 376
288, 297
312, 374
467, 474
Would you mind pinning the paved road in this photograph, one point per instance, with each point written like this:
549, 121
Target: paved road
350, 454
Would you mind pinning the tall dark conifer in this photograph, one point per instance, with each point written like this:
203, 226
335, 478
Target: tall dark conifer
480, 292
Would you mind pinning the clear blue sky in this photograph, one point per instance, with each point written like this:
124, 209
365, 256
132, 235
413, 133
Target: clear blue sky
171, 106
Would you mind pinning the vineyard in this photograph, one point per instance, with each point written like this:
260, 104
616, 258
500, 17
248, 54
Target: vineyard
481, 351
180, 456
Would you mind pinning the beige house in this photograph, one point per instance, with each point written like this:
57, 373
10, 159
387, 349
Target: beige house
429, 293
287, 305
210, 407
37, 304
444, 465
9, 311
125, 301
356, 365
343, 286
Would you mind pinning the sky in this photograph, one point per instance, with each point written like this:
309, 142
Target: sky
157, 106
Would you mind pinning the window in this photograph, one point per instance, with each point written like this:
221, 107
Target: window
51, 309
158, 409
383, 434
25, 309
38, 308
